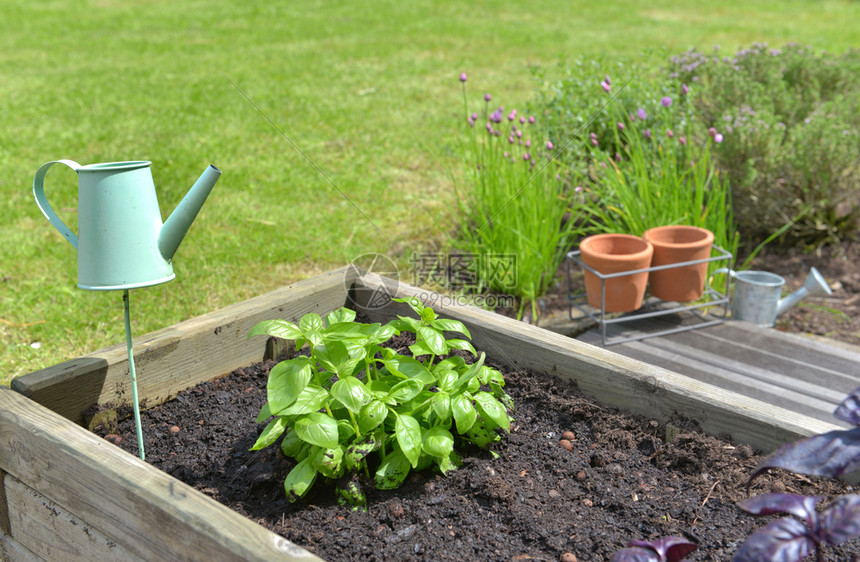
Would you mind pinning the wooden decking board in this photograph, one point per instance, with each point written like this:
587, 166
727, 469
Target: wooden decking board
790, 371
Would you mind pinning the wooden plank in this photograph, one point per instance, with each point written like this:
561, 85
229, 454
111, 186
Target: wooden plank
610, 378
175, 358
52, 533
13, 551
151, 514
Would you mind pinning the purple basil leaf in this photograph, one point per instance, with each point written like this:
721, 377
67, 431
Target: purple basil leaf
840, 520
849, 409
671, 549
636, 554
781, 539
828, 454
800, 506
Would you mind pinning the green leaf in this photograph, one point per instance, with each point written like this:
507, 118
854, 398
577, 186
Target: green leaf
286, 382
384, 333
270, 433
489, 375
345, 431
420, 348
300, 479
336, 358
464, 413
265, 413
442, 405
371, 415
433, 339
312, 326
409, 367
357, 451
462, 344
311, 399
446, 381
447, 325
352, 393
408, 434
350, 492
428, 315
492, 410
413, 303
329, 462
405, 391
392, 471
318, 429
276, 328
469, 374
404, 324
292, 443
451, 462
342, 314
438, 442
480, 435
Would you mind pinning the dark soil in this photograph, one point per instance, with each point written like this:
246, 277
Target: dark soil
620, 480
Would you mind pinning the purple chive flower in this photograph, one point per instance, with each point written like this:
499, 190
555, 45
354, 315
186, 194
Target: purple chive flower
593, 135
512, 115
594, 142
617, 157
487, 97
684, 89
670, 133
496, 116
531, 118
606, 79
506, 154
711, 132
528, 144
527, 157
620, 126
463, 77
647, 133
641, 113
471, 122
522, 119
718, 138
511, 139
682, 140
519, 134
548, 145
666, 101
490, 127
605, 85
578, 189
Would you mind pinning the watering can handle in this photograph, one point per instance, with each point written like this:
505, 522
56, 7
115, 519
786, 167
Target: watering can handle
42, 201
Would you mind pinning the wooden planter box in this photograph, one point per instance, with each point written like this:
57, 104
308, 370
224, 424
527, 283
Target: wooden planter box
65, 493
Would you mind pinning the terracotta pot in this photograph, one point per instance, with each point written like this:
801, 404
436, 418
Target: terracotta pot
675, 244
615, 253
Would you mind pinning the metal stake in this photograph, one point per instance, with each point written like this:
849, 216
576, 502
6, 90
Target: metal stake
133, 375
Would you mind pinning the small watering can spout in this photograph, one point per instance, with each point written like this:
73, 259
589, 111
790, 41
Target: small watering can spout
815, 285
179, 221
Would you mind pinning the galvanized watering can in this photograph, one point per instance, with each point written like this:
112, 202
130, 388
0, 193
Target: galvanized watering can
757, 295
121, 241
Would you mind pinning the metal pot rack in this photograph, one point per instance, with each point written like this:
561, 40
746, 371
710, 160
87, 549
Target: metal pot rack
700, 310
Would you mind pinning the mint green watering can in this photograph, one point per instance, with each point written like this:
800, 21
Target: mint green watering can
121, 241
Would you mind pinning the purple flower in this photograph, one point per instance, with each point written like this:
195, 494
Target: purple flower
487, 97
605, 85
512, 115
471, 122
666, 101
593, 135
718, 138
490, 127
522, 119
682, 140
670, 133
647, 133
519, 134
496, 116
527, 156
617, 157
578, 189
531, 118
684, 89
528, 144
548, 145
641, 113
594, 142
606, 79
511, 139
474, 116
463, 77
711, 132
620, 126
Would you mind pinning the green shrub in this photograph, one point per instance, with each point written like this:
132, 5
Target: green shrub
791, 131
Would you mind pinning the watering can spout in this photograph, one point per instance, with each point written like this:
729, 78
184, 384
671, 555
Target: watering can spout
815, 285
179, 221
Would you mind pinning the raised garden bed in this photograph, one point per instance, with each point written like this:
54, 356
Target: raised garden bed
68, 493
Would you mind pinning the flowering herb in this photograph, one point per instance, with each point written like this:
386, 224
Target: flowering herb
352, 405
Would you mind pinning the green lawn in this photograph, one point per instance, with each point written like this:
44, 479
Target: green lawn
367, 91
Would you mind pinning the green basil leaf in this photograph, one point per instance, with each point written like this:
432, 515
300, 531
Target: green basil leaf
351, 392
358, 450
447, 325
312, 326
446, 381
329, 462
372, 415
286, 382
464, 413
408, 434
428, 315
405, 390
384, 333
420, 348
492, 410
462, 344
433, 339
265, 413
489, 375
480, 435
292, 444
270, 433
404, 324
318, 429
454, 363
276, 328
311, 399
300, 479
469, 374
342, 314
392, 471
451, 462
413, 303
438, 442
410, 368
442, 405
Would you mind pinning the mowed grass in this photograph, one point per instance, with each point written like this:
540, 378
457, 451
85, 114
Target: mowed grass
335, 125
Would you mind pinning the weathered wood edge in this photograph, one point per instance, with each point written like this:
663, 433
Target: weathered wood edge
177, 357
148, 512
610, 378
